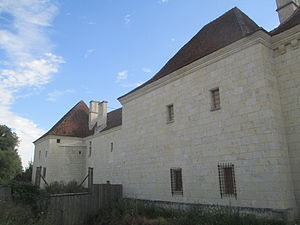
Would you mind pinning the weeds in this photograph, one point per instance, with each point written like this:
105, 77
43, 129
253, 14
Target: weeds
136, 213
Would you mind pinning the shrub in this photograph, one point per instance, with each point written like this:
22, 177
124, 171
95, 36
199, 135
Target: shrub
61, 187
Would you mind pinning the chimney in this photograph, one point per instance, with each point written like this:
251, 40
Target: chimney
286, 8
102, 115
93, 113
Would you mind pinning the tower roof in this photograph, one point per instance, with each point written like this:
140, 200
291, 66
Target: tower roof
230, 27
74, 123
288, 24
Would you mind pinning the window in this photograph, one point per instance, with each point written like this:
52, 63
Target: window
227, 180
57, 140
44, 172
170, 113
176, 181
215, 99
111, 147
90, 149
46, 154
40, 154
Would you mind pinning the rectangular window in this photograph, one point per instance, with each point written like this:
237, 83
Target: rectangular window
57, 140
46, 154
215, 99
170, 113
44, 172
40, 154
176, 181
111, 147
227, 180
90, 149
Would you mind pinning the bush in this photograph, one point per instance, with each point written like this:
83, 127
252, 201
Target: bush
61, 187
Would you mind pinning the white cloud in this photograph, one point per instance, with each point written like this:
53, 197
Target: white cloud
88, 52
163, 1
53, 96
127, 19
28, 62
147, 70
122, 75
173, 39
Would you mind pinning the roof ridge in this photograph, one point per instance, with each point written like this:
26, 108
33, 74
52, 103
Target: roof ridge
240, 20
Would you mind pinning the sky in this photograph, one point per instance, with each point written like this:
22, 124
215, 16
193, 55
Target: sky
54, 53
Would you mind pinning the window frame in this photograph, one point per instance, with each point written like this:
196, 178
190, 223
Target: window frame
176, 181
227, 181
170, 113
215, 103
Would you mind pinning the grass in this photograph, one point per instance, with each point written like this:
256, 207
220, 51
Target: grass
136, 213
20, 214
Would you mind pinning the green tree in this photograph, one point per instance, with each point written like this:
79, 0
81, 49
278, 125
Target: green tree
10, 162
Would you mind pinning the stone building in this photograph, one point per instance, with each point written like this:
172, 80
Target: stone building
219, 124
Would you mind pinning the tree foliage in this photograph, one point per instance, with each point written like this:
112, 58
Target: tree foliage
10, 162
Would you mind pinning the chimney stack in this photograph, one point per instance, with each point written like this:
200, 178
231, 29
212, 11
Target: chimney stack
102, 115
286, 8
93, 113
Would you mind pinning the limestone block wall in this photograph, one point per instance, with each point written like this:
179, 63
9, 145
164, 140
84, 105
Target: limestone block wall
105, 156
287, 67
65, 160
247, 131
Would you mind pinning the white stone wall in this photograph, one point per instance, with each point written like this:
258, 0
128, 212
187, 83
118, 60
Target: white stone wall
287, 67
247, 131
65, 161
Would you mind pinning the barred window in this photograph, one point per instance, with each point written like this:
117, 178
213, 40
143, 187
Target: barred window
227, 180
170, 111
215, 99
111, 147
176, 181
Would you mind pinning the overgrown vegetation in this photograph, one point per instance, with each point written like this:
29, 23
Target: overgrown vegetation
135, 213
10, 162
61, 187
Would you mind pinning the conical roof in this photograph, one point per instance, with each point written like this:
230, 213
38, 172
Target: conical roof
230, 27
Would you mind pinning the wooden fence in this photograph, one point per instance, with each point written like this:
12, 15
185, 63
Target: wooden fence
74, 208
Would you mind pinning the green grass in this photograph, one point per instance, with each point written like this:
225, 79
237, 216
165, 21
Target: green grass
136, 213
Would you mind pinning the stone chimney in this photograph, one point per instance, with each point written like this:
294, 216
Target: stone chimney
286, 8
93, 113
102, 115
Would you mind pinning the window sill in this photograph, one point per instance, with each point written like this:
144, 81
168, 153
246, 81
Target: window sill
215, 109
177, 193
170, 121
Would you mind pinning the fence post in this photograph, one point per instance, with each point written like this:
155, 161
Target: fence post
90, 179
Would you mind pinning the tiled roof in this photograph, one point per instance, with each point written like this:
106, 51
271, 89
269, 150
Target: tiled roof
291, 22
230, 27
114, 119
74, 124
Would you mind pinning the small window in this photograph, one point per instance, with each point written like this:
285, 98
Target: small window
176, 181
111, 147
170, 113
215, 99
46, 154
79, 152
227, 180
40, 154
44, 172
90, 149
57, 140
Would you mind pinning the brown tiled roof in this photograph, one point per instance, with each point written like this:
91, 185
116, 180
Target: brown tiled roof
291, 22
230, 27
114, 119
74, 124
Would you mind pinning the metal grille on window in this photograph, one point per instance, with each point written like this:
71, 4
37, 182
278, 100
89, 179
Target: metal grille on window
215, 96
170, 113
227, 180
176, 181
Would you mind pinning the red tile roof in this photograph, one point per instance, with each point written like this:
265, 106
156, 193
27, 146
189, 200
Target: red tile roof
76, 122
230, 27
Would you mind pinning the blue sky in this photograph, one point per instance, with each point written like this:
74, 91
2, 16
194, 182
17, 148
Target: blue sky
55, 53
